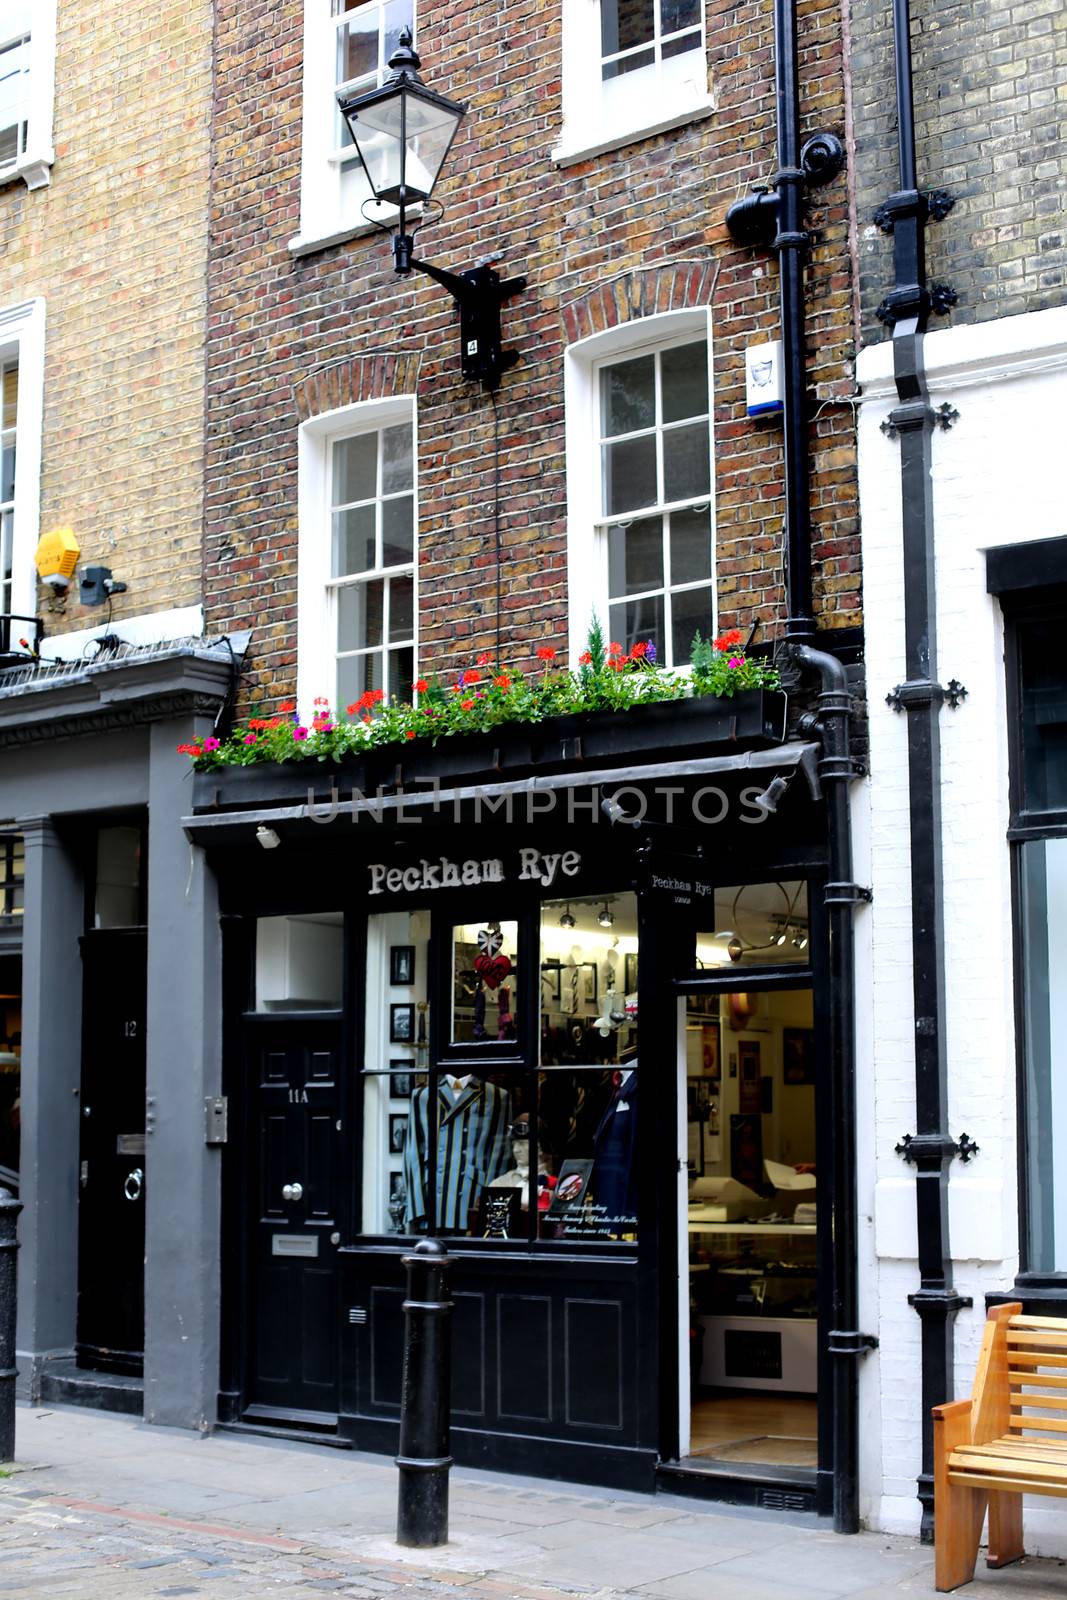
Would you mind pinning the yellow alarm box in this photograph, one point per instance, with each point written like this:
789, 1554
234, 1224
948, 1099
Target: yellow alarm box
57, 556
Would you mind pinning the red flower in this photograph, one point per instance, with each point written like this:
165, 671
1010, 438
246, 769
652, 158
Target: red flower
420, 686
545, 652
618, 662
466, 705
503, 682
638, 650
614, 648
484, 659
472, 675
410, 734
287, 705
585, 658
726, 641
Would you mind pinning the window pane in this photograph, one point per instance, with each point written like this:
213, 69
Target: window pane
394, 1170
484, 962
355, 469
359, 615
678, 14
398, 531
401, 609
635, 557
638, 620
625, 23
680, 45
357, 45
624, 64
1044, 712
686, 462
10, 395
684, 373
357, 674
690, 545
757, 924
629, 474
690, 612
7, 472
298, 962
399, 14
628, 396
353, 541
587, 1089
401, 674
118, 878
396, 459
1044, 978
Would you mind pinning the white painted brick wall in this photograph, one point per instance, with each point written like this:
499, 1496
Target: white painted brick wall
998, 476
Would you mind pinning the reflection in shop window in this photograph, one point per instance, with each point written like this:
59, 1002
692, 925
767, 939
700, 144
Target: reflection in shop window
484, 963
587, 1092
757, 924
395, 1060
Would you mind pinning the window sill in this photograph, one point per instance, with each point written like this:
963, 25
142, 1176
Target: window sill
569, 152
35, 171
308, 244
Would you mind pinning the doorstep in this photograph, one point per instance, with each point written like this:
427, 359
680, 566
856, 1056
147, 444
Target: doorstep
64, 1383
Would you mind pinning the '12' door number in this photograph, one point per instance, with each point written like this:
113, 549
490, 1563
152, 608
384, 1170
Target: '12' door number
298, 1097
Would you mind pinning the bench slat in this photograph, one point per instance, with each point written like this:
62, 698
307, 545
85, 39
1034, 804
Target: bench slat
1028, 1360
1006, 1462
1036, 1380
976, 1480
1056, 1324
1042, 1424
1039, 1402
1036, 1341
1013, 1445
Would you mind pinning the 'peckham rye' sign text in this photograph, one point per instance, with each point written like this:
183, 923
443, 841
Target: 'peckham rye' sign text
534, 866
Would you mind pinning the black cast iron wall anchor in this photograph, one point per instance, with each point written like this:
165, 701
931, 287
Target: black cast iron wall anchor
840, 1342
479, 294
931, 205
936, 1148
916, 415
847, 894
922, 692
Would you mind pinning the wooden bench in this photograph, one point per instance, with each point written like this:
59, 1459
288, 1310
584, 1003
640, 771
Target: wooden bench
1008, 1440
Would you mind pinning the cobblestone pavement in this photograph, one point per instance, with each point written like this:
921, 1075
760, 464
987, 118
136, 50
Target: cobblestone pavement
103, 1508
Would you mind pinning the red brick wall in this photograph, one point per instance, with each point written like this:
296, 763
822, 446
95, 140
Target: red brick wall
283, 331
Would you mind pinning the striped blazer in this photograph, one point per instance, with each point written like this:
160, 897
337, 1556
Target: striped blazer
472, 1150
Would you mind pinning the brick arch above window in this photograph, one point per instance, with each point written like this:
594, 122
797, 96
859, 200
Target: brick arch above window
685, 285
378, 375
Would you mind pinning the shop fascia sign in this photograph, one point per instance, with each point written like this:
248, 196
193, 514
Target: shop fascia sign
534, 866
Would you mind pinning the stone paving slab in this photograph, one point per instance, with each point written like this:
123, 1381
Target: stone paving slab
102, 1507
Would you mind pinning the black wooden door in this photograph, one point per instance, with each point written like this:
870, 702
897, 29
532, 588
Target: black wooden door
293, 1199
113, 1173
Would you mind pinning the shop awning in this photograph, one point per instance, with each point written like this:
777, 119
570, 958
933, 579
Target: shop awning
796, 756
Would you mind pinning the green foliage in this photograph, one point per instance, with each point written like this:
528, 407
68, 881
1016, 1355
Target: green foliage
479, 699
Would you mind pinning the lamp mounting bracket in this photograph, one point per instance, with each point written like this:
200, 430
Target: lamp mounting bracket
479, 294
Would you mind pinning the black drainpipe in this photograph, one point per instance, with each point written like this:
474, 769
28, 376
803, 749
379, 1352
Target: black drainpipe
773, 218
931, 1148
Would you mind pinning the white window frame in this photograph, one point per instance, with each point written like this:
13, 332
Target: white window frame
587, 544
33, 165
322, 162
22, 340
652, 104
316, 588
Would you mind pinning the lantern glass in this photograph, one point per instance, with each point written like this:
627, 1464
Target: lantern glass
403, 136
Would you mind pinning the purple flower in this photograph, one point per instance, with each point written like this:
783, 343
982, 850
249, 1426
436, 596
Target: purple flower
736, 661
650, 653
300, 733
250, 738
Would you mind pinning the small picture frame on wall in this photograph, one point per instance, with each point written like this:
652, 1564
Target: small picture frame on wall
551, 985
400, 1078
798, 1062
587, 971
402, 965
629, 972
398, 1132
402, 1023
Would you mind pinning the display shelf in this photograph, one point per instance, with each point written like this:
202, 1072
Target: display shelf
769, 1229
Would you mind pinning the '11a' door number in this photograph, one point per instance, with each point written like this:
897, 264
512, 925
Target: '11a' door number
298, 1097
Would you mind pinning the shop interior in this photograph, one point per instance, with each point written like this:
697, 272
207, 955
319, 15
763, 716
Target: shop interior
750, 1239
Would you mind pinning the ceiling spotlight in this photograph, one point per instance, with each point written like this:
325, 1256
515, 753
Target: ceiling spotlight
800, 940
735, 949
267, 838
605, 917
567, 921
778, 937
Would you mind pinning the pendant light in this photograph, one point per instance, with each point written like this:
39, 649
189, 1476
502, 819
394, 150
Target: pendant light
566, 920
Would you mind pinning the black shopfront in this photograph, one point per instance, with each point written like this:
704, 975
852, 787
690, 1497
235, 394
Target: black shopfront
595, 1058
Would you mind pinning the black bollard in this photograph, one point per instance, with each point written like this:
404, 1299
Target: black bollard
425, 1401
9, 1216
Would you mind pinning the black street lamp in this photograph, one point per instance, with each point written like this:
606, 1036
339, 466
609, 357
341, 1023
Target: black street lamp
403, 132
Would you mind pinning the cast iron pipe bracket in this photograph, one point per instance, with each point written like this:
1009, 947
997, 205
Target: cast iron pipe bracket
846, 894
923, 692
935, 203
916, 414
754, 220
840, 1342
936, 1147
938, 1303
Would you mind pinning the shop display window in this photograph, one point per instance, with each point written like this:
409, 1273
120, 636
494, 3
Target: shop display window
395, 1063
757, 924
484, 981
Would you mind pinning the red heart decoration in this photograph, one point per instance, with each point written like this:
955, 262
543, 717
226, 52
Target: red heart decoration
492, 969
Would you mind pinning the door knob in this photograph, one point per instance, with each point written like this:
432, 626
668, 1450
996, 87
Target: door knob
134, 1184
292, 1191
